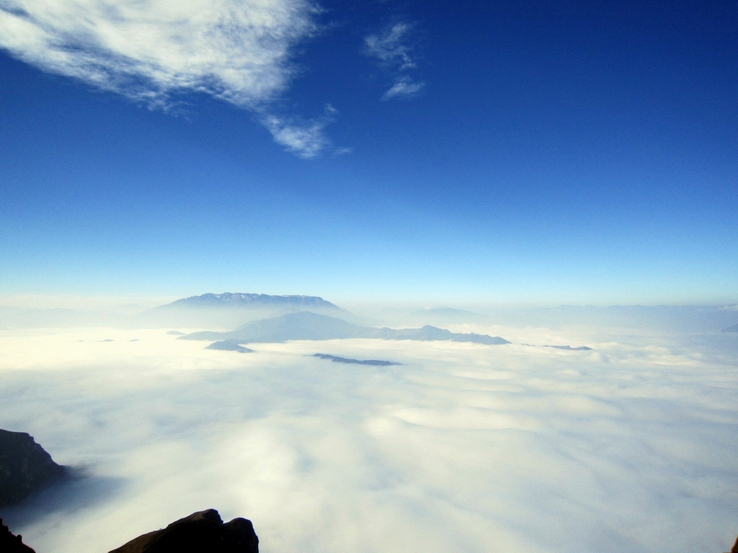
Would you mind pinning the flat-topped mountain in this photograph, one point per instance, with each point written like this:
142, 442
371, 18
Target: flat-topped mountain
228, 310
240, 300
306, 325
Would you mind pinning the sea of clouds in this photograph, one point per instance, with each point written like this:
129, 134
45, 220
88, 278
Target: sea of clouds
632, 446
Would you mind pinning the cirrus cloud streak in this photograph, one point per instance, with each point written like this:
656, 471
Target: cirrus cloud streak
150, 51
393, 50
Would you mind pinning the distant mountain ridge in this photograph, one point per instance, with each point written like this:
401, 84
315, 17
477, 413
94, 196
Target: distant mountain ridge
305, 325
239, 299
229, 309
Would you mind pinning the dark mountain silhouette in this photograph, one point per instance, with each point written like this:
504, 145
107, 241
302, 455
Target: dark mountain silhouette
240, 300
10, 543
580, 348
231, 309
313, 326
303, 325
24, 467
201, 532
431, 333
336, 359
228, 345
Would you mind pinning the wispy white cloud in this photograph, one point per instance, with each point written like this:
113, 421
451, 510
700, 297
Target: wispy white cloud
390, 46
151, 50
403, 87
306, 139
395, 53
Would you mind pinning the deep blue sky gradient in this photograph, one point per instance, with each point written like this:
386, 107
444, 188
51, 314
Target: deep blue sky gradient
560, 151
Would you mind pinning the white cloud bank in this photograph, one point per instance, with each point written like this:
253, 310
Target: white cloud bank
393, 50
236, 50
632, 446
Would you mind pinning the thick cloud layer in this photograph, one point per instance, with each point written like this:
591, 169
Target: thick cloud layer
628, 447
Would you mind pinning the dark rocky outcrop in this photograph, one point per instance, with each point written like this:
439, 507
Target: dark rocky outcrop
10, 543
201, 532
24, 467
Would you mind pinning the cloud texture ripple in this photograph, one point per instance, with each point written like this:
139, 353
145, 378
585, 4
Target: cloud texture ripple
464, 447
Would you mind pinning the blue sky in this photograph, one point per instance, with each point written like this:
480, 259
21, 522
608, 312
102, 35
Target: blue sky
433, 151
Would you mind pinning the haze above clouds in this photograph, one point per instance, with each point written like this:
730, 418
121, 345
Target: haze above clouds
630, 446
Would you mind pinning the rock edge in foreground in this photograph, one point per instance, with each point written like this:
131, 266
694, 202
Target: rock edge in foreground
10, 543
25, 467
203, 531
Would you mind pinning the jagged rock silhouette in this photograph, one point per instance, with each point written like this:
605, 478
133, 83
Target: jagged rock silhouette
24, 467
201, 532
9, 543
